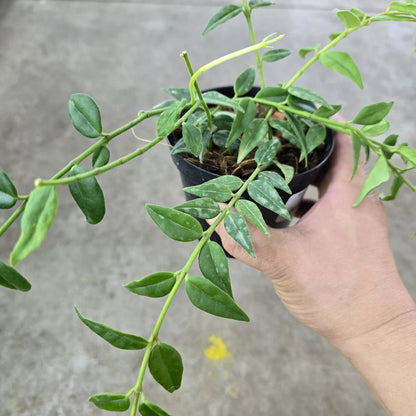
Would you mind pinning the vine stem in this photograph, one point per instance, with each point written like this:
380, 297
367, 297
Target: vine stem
263, 44
115, 163
247, 14
181, 276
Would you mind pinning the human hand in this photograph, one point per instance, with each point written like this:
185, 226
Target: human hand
334, 269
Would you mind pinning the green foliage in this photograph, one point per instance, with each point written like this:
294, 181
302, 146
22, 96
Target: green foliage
244, 82
111, 402
193, 138
175, 224
204, 208
373, 114
276, 55
208, 297
85, 115
168, 119
165, 365
236, 227
155, 285
252, 213
88, 195
149, 409
12, 279
114, 337
223, 15
255, 133
37, 218
100, 157
8, 192
266, 152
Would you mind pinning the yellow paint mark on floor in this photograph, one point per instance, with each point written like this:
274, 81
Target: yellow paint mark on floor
217, 350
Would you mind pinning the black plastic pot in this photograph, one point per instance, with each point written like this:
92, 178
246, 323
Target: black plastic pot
192, 175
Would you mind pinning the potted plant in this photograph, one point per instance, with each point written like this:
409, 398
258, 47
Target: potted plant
266, 137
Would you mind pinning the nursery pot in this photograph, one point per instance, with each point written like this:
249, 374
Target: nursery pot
192, 175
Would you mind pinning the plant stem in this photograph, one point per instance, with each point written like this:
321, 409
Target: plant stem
181, 275
247, 14
115, 163
263, 44
184, 55
12, 218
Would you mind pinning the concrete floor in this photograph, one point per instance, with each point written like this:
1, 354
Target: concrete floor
123, 53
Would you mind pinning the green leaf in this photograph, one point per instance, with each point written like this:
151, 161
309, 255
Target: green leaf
231, 182
211, 299
88, 195
254, 4
408, 154
167, 120
343, 64
264, 193
327, 111
149, 409
163, 104
204, 208
100, 157
276, 180
216, 98
116, 338
315, 136
334, 35
165, 365
287, 170
308, 95
244, 82
405, 8
85, 115
305, 51
37, 218
219, 189
378, 175
393, 18
349, 19
300, 104
193, 138
252, 213
8, 192
111, 402
224, 14
242, 120
297, 129
267, 152
376, 129
287, 131
213, 264
397, 183
175, 224
275, 55
236, 227
272, 94
358, 13
356, 141
373, 114
12, 279
256, 132
155, 285
179, 93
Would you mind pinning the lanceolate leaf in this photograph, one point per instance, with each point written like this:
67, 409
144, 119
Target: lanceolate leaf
213, 264
373, 114
276, 180
315, 136
304, 51
349, 19
116, 338
265, 194
242, 119
167, 120
37, 218
111, 402
204, 208
211, 299
175, 224
244, 82
404, 8
376, 129
255, 133
214, 97
397, 183
85, 115
154, 285
231, 182
408, 154
8, 192
165, 365
224, 14
267, 152
327, 111
275, 55
193, 138
342, 63
273, 94
378, 175
179, 93
100, 157
356, 141
88, 195
254, 4
306, 94
149, 409
252, 213
12, 279
215, 191
236, 227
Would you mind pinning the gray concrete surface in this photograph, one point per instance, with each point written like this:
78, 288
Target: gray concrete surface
123, 53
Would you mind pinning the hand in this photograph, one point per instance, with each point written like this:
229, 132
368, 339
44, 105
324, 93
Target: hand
334, 269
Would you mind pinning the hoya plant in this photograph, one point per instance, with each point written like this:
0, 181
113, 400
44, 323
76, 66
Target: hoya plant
255, 140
